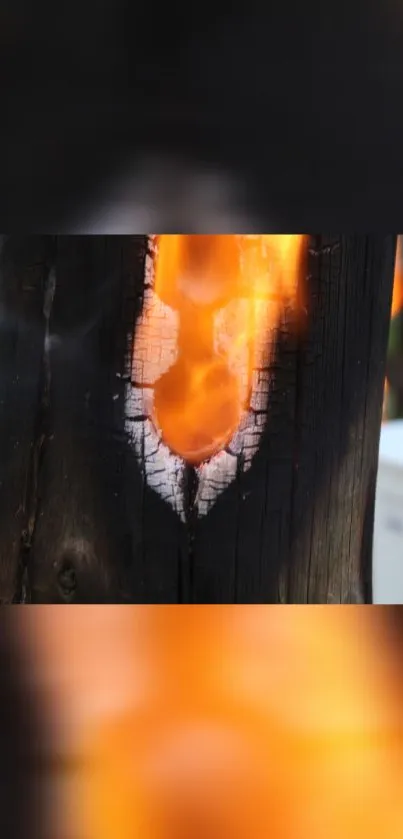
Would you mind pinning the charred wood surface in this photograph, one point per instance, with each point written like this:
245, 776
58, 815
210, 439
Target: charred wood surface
24, 270
82, 512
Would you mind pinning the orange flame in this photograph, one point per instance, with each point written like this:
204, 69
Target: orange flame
246, 723
199, 401
397, 298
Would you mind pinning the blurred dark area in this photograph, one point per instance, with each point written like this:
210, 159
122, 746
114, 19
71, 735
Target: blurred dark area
298, 105
22, 804
394, 369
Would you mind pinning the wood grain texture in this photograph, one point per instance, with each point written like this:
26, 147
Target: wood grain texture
118, 520
342, 369
79, 550
24, 268
298, 527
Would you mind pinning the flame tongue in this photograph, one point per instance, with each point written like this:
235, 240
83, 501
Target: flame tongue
198, 403
202, 269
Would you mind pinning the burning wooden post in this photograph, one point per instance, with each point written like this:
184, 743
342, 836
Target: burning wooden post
209, 422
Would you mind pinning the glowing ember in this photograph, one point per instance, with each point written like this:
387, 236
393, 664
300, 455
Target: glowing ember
199, 402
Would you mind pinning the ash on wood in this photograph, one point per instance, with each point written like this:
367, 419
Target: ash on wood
114, 517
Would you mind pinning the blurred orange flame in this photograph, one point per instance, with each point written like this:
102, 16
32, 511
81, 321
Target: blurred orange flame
253, 723
198, 403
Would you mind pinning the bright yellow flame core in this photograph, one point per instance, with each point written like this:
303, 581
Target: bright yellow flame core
198, 402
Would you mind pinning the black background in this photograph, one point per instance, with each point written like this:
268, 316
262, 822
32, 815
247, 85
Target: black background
303, 101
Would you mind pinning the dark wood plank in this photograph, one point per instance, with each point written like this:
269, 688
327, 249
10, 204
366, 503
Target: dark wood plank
78, 551
101, 535
297, 527
341, 381
24, 269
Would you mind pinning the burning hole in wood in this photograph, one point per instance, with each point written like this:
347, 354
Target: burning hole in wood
197, 402
204, 344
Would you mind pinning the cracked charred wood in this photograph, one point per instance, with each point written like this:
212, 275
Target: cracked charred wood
101, 534
24, 267
286, 515
283, 515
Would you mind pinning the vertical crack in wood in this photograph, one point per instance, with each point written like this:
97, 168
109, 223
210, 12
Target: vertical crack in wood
38, 447
191, 482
